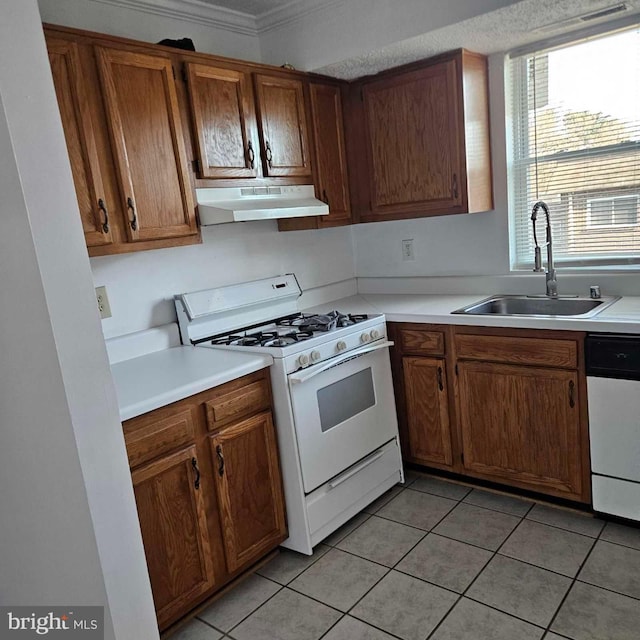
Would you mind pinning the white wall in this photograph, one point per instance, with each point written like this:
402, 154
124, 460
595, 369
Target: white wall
340, 30
69, 528
141, 286
120, 20
448, 245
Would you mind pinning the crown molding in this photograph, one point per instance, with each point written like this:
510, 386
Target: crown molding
193, 11
293, 12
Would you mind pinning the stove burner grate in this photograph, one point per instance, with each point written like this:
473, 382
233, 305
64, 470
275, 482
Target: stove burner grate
264, 339
322, 322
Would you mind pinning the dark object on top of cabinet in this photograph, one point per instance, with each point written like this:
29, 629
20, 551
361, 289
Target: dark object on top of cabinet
186, 44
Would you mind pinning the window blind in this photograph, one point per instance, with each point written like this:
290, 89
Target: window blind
575, 117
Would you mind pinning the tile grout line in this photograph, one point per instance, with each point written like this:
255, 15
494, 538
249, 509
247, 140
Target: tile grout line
573, 582
494, 554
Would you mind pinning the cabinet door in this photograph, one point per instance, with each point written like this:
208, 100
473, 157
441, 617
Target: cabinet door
522, 424
283, 126
174, 531
142, 110
75, 112
224, 118
414, 146
330, 153
249, 489
427, 410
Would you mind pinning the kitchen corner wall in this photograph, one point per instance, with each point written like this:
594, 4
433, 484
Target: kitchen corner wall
141, 285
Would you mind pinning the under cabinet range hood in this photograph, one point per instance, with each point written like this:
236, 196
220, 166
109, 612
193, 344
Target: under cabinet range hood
242, 204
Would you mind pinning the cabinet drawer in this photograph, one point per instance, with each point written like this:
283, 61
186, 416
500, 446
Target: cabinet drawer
418, 341
516, 350
237, 400
149, 437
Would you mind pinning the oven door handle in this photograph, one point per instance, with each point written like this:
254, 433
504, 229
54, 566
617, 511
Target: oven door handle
311, 373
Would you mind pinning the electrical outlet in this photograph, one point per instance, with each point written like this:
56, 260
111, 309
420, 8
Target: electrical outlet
407, 250
103, 302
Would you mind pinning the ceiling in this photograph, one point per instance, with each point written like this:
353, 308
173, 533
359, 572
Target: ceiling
505, 29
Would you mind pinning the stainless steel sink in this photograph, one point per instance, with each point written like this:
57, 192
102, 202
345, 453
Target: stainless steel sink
566, 306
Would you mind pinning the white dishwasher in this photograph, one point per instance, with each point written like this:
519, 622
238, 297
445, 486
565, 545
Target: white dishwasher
613, 384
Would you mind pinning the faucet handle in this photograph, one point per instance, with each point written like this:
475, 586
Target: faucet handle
594, 292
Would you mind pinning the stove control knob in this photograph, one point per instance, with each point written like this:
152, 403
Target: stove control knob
341, 346
375, 334
303, 360
315, 356
365, 337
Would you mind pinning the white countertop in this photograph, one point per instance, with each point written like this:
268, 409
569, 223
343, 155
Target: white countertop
621, 317
157, 379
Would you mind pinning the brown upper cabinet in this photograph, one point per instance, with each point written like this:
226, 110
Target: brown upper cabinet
331, 156
75, 112
282, 121
222, 107
425, 137
120, 117
148, 144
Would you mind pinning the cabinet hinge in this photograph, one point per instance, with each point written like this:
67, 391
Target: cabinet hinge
195, 165
183, 74
462, 458
361, 95
456, 368
173, 70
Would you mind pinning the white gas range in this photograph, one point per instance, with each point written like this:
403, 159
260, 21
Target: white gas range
332, 392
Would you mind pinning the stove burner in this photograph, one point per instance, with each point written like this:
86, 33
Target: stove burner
264, 339
322, 322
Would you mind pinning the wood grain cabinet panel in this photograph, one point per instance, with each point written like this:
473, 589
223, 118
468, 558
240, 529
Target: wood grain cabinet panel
425, 137
413, 141
430, 343
282, 122
147, 139
522, 424
249, 488
427, 408
332, 181
174, 531
149, 436
222, 107
75, 113
237, 400
518, 350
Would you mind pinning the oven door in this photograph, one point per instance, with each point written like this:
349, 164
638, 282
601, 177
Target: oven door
343, 410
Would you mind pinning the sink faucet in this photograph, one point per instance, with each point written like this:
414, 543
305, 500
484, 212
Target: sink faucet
552, 280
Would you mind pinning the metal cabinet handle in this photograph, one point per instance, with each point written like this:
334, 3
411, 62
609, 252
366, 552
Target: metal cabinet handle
440, 383
250, 154
134, 221
220, 461
572, 401
105, 213
267, 153
194, 465
455, 186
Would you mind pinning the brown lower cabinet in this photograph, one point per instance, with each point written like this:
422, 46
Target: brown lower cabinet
503, 405
208, 488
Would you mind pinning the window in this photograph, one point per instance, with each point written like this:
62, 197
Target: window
612, 212
575, 117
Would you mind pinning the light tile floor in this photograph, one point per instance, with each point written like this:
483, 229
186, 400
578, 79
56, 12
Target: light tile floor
439, 560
